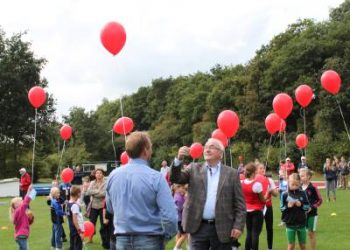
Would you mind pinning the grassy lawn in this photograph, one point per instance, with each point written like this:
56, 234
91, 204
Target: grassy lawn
333, 231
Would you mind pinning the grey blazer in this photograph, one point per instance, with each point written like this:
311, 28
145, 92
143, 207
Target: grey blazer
230, 210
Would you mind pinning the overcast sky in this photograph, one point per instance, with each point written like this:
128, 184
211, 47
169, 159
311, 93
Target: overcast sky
164, 38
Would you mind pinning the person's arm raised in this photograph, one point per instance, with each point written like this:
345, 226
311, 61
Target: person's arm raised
176, 175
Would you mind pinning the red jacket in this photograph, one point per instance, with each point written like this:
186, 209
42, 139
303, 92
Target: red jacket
289, 167
25, 182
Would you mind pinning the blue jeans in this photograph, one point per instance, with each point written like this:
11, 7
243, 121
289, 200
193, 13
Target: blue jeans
140, 242
56, 237
22, 242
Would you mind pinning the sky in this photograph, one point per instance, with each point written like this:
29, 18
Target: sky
164, 38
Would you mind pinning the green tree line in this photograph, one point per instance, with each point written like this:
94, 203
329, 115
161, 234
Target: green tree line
180, 110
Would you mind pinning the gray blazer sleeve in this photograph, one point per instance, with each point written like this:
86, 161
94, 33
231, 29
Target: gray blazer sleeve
179, 176
239, 207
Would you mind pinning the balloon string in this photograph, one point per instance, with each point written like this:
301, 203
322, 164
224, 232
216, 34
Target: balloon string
225, 157
34, 140
281, 145
229, 144
268, 152
114, 150
341, 113
122, 112
59, 163
285, 144
304, 133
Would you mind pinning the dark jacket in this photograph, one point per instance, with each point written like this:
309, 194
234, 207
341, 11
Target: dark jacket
314, 198
294, 216
56, 212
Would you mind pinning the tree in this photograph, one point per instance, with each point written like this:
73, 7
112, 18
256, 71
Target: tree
19, 71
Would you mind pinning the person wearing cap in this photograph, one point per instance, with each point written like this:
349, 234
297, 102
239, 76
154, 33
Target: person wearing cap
288, 166
24, 183
303, 163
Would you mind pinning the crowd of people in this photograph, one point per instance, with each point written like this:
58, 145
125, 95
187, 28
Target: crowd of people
203, 205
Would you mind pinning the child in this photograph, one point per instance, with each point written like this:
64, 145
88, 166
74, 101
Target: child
75, 220
55, 184
21, 218
179, 198
109, 224
268, 211
56, 218
86, 198
255, 199
315, 200
294, 205
282, 187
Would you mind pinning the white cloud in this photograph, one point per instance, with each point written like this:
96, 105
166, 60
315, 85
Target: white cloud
163, 38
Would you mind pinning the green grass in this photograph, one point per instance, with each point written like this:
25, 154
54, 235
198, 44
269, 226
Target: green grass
333, 231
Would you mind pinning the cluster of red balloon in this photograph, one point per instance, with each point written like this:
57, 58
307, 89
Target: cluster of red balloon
228, 123
303, 95
283, 105
113, 37
123, 126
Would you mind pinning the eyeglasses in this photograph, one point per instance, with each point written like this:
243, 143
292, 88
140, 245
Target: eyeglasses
211, 147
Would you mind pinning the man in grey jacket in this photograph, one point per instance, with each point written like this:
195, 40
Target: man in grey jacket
214, 213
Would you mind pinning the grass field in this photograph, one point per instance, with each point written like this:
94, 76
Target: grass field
333, 231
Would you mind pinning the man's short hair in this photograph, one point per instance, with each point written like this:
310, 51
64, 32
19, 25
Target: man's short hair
136, 143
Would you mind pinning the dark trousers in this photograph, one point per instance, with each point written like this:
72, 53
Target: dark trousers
254, 224
75, 242
22, 194
206, 238
269, 226
94, 214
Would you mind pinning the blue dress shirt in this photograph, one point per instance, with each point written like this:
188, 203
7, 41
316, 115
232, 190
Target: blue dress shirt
213, 176
141, 201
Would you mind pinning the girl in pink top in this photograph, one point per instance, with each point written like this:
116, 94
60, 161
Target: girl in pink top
21, 217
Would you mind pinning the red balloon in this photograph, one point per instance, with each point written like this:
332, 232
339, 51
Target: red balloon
37, 96
196, 150
113, 37
282, 105
124, 125
331, 81
228, 122
124, 158
301, 141
283, 126
303, 95
272, 123
67, 175
89, 229
66, 132
218, 134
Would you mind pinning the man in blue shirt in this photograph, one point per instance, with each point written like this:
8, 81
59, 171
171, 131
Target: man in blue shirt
145, 215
